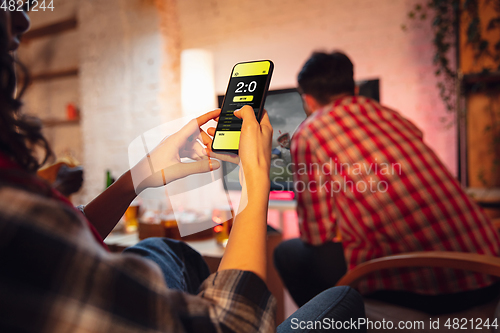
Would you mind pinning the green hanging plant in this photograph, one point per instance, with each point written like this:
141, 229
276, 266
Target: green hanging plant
445, 16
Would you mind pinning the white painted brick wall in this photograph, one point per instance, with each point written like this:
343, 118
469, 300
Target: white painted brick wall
121, 58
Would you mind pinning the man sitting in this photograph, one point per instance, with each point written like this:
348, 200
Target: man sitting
362, 171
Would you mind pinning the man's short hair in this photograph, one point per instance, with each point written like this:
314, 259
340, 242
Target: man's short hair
325, 75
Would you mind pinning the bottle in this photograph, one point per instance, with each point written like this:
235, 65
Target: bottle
109, 179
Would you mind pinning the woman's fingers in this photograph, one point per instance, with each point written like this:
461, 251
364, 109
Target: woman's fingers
233, 158
192, 129
199, 150
265, 120
245, 112
181, 170
248, 115
208, 116
202, 166
189, 132
206, 139
265, 123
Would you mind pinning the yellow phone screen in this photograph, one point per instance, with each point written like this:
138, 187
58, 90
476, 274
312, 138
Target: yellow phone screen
247, 86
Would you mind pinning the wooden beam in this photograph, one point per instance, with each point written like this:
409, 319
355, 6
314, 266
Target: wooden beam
51, 29
489, 77
55, 74
481, 82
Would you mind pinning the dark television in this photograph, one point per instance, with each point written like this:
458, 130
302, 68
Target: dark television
286, 113
369, 88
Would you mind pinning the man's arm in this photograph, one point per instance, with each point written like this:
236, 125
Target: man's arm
314, 199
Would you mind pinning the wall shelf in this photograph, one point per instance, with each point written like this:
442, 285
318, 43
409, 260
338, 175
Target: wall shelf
51, 29
59, 122
44, 76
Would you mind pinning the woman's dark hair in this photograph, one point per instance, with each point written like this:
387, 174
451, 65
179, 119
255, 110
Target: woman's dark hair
20, 135
325, 75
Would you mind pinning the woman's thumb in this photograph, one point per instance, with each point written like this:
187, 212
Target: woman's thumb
205, 165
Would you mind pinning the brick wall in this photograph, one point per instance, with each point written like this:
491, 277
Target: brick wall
125, 85
121, 58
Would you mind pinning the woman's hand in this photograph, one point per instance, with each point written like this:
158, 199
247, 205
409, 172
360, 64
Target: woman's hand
254, 150
246, 248
159, 167
163, 165
255, 147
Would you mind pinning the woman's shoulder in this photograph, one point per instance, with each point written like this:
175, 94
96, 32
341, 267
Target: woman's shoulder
30, 210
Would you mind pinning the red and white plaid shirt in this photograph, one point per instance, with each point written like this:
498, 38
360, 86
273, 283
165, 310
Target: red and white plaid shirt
363, 170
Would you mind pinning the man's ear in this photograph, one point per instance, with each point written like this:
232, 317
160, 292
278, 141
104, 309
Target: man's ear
310, 103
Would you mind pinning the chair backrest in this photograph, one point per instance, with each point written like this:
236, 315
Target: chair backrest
376, 310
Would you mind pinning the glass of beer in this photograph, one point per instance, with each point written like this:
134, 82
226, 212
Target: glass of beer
223, 220
131, 217
170, 224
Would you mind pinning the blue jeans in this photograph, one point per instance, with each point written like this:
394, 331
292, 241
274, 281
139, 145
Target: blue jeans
185, 269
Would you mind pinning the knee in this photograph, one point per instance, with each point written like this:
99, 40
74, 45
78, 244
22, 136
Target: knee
280, 255
352, 296
355, 301
152, 242
159, 246
345, 297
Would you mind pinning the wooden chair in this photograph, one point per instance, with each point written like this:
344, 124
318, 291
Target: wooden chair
377, 310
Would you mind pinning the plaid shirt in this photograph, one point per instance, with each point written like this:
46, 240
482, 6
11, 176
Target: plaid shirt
55, 277
363, 170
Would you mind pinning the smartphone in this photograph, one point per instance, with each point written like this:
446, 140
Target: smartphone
248, 85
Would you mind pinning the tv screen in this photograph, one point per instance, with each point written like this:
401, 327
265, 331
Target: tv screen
369, 88
286, 113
